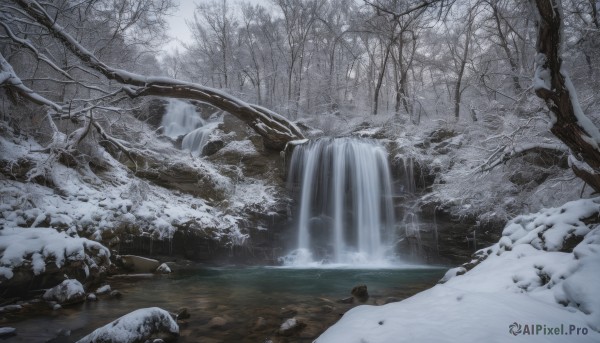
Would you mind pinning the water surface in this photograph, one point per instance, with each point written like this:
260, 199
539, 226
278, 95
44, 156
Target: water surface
252, 302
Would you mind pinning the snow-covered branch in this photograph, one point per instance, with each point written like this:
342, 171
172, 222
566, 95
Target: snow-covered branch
503, 155
275, 129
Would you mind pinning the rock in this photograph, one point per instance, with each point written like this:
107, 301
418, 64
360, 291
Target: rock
56, 307
116, 294
103, 290
138, 264
327, 309
260, 323
441, 135
92, 297
10, 308
348, 300
290, 326
360, 293
163, 269
7, 332
138, 326
68, 292
183, 313
212, 147
218, 323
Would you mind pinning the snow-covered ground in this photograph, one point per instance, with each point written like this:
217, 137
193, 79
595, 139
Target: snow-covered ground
532, 286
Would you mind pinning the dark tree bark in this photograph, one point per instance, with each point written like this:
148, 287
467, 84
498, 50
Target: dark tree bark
554, 86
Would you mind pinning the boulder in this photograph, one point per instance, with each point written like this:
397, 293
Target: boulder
138, 326
163, 269
360, 293
68, 292
138, 264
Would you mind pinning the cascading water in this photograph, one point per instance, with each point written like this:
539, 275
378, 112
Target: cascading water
345, 211
182, 119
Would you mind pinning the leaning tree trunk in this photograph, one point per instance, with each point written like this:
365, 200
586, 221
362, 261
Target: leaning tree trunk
552, 84
275, 129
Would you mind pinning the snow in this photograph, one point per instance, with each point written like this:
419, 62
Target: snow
582, 120
527, 278
244, 148
541, 78
116, 201
103, 289
136, 326
69, 290
37, 247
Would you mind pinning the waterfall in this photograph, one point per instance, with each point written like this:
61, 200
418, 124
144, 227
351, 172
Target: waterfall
182, 119
345, 213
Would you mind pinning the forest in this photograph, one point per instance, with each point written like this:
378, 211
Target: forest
299, 171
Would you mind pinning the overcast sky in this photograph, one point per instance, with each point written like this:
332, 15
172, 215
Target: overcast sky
178, 28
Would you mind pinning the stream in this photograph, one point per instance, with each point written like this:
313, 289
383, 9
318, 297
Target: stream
229, 304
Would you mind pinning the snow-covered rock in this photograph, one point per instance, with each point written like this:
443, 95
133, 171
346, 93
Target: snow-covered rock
137, 326
103, 289
68, 292
532, 276
43, 256
163, 269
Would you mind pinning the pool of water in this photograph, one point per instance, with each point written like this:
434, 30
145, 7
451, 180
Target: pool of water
250, 303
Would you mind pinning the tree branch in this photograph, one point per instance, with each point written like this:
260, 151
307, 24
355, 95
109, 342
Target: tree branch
275, 129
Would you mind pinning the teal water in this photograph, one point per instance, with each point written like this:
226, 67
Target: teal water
253, 302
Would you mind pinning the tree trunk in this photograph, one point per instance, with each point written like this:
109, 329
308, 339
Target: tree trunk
552, 85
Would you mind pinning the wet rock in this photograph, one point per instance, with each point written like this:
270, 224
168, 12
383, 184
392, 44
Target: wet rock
10, 309
92, 297
138, 264
218, 323
183, 313
212, 147
360, 293
6, 332
327, 309
289, 311
116, 294
260, 323
348, 300
68, 292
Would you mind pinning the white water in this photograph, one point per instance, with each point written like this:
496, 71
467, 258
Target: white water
346, 213
182, 119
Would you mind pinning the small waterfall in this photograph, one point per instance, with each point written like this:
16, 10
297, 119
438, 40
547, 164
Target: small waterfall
182, 119
345, 202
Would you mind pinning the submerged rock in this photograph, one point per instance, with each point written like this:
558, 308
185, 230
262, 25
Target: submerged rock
360, 293
290, 326
138, 326
68, 292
